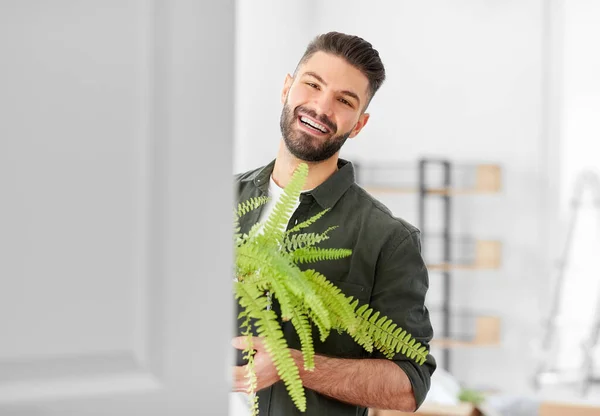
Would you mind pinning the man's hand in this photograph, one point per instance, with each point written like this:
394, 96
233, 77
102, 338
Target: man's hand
266, 372
368, 382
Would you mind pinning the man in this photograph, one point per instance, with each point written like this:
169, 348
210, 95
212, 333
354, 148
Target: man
324, 104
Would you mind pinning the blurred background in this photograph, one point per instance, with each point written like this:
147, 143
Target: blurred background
122, 121
503, 98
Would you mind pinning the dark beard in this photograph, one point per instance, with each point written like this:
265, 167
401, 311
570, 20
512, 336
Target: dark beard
304, 146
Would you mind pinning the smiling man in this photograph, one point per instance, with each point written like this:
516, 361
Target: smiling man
324, 104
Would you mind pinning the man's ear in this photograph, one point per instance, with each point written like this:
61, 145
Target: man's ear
287, 84
362, 121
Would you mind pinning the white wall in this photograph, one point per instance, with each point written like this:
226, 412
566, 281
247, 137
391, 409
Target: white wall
270, 39
579, 147
465, 81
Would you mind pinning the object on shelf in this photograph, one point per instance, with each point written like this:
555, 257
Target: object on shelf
487, 333
486, 255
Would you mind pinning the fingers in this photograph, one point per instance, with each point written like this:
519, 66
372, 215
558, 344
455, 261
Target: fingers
241, 343
258, 343
240, 380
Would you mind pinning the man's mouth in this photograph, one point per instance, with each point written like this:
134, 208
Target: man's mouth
312, 125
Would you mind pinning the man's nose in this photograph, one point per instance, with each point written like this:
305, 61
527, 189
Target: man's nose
324, 105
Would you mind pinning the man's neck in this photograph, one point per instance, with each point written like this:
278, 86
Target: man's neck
286, 163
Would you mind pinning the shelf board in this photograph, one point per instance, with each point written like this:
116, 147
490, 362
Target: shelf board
487, 256
547, 408
487, 333
488, 179
431, 191
571, 409
432, 409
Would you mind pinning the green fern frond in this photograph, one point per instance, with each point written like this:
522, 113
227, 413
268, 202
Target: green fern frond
308, 222
252, 234
304, 331
323, 327
260, 282
297, 285
285, 298
275, 265
387, 337
237, 234
248, 355
339, 306
267, 327
250, 259
276, 223
249, 205
296, 241
359, 334
277, 348
312, 254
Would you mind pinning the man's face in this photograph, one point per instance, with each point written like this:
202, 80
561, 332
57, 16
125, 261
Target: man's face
322, 107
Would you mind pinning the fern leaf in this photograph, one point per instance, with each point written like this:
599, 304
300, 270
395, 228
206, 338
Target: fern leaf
276, 266
249, 205
308, 222
304, 331
276, 223
252, 235
293, 242
390, 340
297, 241
324, 328
312, 254
268, 328
284, 297
336, 302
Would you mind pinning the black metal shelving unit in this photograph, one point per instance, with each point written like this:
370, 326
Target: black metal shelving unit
435, 180
424, 194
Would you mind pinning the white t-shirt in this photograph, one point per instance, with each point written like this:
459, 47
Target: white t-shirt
274, 193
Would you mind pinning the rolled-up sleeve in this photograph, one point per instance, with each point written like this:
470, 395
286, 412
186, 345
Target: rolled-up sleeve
401, 283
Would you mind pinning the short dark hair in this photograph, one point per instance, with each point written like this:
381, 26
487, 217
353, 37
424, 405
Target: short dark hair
355, 50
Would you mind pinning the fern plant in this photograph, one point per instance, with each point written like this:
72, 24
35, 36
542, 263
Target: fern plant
266, 266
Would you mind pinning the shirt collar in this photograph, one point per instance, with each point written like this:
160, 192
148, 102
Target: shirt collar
326, 194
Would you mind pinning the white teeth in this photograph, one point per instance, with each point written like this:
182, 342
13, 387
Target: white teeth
314, 124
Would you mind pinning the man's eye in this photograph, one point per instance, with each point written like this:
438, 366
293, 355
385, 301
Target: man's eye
345, 102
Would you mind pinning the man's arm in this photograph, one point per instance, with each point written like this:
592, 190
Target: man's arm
375, 383
368, 382
399, 292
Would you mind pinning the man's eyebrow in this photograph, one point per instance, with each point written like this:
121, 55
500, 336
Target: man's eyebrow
322, 81
317, 76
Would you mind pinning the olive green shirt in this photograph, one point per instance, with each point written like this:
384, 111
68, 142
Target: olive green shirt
386, 270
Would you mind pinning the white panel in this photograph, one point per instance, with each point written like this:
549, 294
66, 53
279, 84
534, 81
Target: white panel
106, 236
69, 171
73, 377
78, 293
